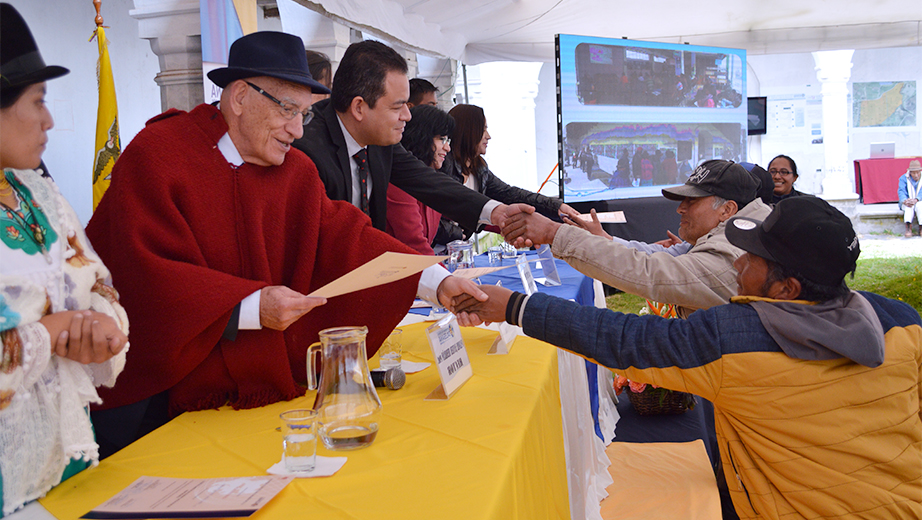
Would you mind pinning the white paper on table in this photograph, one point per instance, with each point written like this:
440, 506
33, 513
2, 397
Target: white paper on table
325, 467
408, 367
386, 268
161, 497
476, 272
611, 217
412, 367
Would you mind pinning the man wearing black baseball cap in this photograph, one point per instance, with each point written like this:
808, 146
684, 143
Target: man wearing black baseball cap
215, 229
700, 278
815, 387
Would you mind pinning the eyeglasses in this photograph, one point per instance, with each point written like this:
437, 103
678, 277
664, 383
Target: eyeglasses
783, 173
445, 139
288, 111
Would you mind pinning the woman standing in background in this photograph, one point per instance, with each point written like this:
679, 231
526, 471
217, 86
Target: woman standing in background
426, 136
465, 164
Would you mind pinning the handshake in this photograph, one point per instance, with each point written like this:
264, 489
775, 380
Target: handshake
521, 226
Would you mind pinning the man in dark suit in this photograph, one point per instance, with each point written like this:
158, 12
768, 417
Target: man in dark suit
354, 139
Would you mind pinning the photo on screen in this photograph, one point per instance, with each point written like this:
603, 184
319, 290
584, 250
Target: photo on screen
607, 161
636, 116
644, 76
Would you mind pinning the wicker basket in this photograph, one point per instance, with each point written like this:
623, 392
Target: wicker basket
659, 401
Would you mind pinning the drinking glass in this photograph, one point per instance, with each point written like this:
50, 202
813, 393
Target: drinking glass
299, 446
460, 255
391, 351
495, 255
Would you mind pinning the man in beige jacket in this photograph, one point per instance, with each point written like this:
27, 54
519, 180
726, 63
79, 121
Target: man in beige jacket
701, 278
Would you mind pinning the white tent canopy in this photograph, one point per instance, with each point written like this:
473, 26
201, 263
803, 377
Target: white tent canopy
477, 31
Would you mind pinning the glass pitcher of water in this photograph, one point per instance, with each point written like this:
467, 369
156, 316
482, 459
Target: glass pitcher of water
347, 404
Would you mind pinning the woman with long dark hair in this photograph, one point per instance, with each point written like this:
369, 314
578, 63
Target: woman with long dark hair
426, 136
469, 142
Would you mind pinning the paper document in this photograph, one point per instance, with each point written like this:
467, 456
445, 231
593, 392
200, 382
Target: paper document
158, 497
476, 272
611, 217
387, 268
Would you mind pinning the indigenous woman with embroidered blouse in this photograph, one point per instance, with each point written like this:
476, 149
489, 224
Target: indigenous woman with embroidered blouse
464, 163
63, 332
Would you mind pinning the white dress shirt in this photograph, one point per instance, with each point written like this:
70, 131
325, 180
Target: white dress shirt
429, 281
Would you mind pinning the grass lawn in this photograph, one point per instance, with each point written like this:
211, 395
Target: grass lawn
897, 278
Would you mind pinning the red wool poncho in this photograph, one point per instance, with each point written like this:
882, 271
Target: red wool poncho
187, 236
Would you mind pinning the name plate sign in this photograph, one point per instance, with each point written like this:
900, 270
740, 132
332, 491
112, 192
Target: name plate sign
503, 342
551, 276
450, 357
528, 280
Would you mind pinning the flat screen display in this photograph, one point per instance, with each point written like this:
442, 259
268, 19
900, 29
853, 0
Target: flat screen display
757, 115
635, 116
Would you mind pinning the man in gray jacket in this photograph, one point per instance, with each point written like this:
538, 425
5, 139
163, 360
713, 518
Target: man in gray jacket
701, 278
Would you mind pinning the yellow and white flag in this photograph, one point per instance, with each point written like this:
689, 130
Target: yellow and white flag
108, 144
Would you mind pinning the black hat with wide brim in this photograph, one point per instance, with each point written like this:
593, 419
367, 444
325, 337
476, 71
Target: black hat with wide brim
21, 62
267, 53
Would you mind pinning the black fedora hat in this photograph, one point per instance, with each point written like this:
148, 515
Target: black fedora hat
21, 63
267, 53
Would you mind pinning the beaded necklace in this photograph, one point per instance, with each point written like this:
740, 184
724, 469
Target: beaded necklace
28, 221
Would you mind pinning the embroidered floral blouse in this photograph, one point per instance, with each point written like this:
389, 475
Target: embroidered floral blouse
46, 266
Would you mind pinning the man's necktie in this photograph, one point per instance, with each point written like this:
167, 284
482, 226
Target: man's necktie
361, 157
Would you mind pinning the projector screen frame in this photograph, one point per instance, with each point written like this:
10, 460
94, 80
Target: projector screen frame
681, 121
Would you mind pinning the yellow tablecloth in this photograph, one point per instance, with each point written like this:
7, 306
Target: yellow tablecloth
493, 451
662, 480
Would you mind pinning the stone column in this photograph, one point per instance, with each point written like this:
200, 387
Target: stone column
175, 33
319, 33
833, 69
412, 63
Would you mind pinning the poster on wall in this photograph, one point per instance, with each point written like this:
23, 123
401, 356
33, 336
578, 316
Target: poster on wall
884, 103
795, 129
220, 28
637, 116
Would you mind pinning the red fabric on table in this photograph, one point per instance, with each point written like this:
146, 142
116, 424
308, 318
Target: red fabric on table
877, 180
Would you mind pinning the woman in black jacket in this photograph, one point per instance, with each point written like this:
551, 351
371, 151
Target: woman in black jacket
465, 164
784, 173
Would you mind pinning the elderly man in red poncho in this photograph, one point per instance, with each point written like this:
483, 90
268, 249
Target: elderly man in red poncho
214, 229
